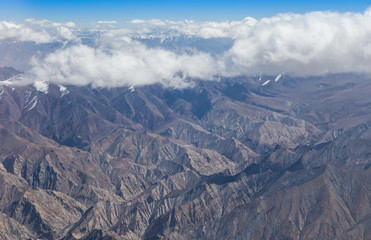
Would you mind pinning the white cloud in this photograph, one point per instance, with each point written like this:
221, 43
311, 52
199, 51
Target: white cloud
40, 31
41, 86
36, 21
10, 31
153, 22
58, 31
309, 44
226, 29
138, 21
48, 23
298, 44
107, 22
134, 64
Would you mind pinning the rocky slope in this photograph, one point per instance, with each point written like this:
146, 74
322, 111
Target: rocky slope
222, 160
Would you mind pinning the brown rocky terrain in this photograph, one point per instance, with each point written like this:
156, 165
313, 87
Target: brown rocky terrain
222, 160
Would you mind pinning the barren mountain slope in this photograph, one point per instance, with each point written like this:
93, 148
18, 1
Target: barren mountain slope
222, 160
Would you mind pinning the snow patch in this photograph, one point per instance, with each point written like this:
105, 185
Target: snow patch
41, 86
27, 96
6, 82
1, 91
278, 77
34, 102
266, 82
63, 90
30, 104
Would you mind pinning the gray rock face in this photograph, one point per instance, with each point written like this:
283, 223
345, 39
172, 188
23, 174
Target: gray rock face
11, 229
222, 160
7, 72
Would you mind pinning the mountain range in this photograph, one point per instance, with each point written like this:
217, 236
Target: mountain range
228, 159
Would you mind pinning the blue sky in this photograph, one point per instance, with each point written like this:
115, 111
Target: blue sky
125, 10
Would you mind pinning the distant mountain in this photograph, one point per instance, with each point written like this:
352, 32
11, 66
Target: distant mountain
7, 72
19, 54
222, 160
184, 43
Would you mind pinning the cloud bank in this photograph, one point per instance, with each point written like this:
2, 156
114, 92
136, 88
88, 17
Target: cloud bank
299, 44
310, 44
133, 64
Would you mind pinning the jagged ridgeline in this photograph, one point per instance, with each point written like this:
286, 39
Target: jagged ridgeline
239, 158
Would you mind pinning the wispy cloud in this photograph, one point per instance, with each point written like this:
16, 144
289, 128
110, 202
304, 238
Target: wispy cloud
107, 22
227, 29
151, 22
